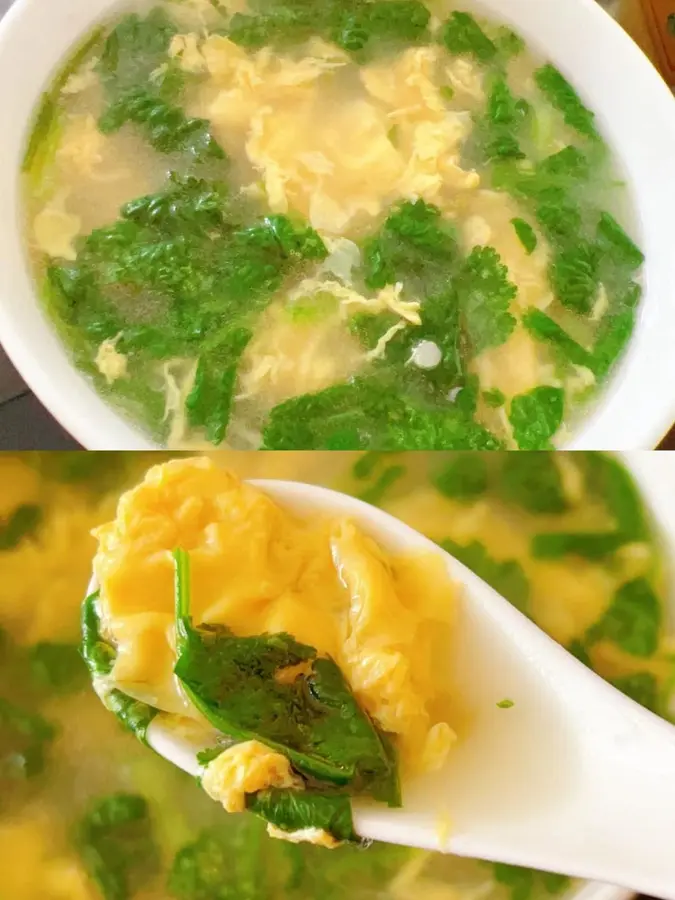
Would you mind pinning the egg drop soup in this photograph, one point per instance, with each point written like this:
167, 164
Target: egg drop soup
329, 225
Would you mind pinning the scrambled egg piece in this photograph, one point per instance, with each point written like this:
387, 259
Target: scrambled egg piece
81, 149
109, 361
246, 769
275, 105
254, 567
55, 229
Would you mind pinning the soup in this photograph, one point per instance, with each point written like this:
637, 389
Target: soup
564, 537
371, 225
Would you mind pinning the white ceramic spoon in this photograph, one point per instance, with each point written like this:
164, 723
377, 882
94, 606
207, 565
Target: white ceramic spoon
573, 778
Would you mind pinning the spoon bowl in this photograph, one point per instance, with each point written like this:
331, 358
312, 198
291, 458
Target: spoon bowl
554, 768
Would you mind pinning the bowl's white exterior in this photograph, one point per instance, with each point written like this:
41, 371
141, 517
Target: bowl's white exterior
636, 113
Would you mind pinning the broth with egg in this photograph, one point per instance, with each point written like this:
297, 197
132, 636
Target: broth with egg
329, 226
87, 812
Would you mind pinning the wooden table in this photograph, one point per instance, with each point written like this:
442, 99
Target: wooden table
26, 425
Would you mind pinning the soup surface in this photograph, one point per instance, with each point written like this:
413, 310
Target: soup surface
329, 226
564, 537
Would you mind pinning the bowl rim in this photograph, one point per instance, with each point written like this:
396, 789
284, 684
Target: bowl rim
636, 407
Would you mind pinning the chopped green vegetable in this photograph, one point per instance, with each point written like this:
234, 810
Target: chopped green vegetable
574, 276
295, 810
57, 667
533, 482
24, 738
167, 127
526, 235
536, 416
366, 464
621, 248
615, 331
232, 683
509, 43
22, 524
519, 880
209, 403
505, 704
115, 842
135, 49
641, 687
99, 657
497, 131
494, 398
486, 294
222, 864
377, 492
463, 35
505, 576
586, 544
554, 883
633, 620
578, 650
614, 486
562, 95
545, 329
464, 478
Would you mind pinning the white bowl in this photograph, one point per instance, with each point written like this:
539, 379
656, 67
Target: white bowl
636, 113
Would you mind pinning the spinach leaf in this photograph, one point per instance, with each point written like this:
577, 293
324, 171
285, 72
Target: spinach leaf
22, 524
507, 577
136, 48
462, 35
533, 482
99, 657
615, 330
562, 95
377, 492
296, 810
463, 478
209, 403
57, 668
497, 132
231, 681
623, 251
366, 464
24, 738
545, 329
166, 126
522, 882
641, 687
586, 544
613, 484
115, 842
633, 621
494, 398
222, 864
526, 235
536, 416
485, 296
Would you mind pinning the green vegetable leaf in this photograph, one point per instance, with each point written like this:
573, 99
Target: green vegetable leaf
136, 48
496, 133
526, 235
562, 95
209, 403
232, 682
486, 294
295, 810
463, 35
545, 329
579, 651
536, 416
166, 126
633, 621
505, 576
574, 276
223, 864
376, 493
585, 544
615, 331
494, 398
614, 486
99, 657
464, 478
115, 842
520, 881
24, 738
505, 704
617, 243
533, 482
365, 466
22, 524
641, 687
58, 668
509, 43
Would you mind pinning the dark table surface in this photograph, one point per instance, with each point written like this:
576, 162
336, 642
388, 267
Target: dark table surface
26, 425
